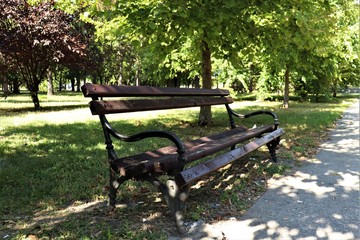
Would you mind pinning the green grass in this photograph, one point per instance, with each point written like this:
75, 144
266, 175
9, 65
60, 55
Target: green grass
53, 161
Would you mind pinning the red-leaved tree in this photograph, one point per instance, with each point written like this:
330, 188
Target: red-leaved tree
38, 36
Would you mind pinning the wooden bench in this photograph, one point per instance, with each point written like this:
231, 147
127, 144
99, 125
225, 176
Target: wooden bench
173, 159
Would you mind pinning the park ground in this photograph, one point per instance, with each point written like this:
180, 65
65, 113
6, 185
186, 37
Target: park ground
54, 171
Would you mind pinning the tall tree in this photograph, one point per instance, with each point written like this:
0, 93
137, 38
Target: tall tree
3, 75
37, 36
212, 28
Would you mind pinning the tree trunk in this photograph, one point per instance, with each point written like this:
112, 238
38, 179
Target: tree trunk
35, 99
197, 81
5, 87
72, 84
334, 89
93, 78
60, 84
58, 76
251, 80
32, 84
120, 80
78, 82
16, 86
286, 88
50, 89
137, 77
205, 116
174, 82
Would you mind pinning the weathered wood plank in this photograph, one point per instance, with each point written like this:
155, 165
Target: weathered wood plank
195, 173
122, 106
97, 90
166, 158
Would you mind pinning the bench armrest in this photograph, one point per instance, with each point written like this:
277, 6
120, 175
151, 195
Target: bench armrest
149, 134
276, 120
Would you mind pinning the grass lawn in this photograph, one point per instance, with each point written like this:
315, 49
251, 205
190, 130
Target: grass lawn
54, 172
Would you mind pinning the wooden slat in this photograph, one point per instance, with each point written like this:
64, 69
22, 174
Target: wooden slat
195, 173
122, 106
165, 159
207, 146
98, 90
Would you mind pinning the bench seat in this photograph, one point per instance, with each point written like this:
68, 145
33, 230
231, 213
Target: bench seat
165, 159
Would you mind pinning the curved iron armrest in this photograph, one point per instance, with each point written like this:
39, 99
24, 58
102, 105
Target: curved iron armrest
149, 134
276, 120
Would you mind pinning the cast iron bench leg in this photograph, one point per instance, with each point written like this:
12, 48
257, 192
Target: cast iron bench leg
114, 184
175, 199
272, 148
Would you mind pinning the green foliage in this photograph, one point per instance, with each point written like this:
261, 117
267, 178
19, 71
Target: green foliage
292, 34
252, 43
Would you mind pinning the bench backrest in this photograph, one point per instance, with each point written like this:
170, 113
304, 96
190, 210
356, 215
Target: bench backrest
143, 98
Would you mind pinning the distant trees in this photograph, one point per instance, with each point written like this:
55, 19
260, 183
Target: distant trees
35, 37
306, 40
301, 47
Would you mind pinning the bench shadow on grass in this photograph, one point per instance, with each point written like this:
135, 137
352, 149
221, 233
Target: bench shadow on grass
49, 108
55, 182
51, 175
55, 167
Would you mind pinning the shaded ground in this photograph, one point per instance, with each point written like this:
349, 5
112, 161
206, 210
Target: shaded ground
145, 211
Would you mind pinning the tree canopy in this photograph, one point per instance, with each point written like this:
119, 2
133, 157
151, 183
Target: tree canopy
300, 39
302, 47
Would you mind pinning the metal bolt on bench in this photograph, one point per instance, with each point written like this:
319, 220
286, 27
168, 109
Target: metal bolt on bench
173, 160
